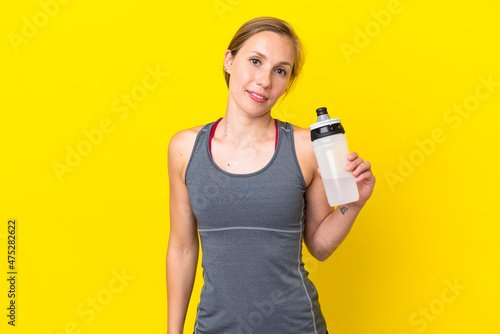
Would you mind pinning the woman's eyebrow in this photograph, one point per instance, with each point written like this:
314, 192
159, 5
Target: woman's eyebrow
264, 57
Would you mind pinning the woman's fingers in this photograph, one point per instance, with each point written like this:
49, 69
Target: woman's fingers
354, 163
351, 156
366, 175
360, 169
364, 166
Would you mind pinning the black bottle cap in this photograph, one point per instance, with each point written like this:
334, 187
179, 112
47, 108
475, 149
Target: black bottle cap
327, 130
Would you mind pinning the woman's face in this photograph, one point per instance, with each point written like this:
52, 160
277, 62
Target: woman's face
259, 72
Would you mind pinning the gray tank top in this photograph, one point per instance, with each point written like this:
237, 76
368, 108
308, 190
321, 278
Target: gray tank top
251, 228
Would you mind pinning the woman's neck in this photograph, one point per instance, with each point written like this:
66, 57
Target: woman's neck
242, 130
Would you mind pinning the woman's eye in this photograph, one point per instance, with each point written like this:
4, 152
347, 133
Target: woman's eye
254, 61
281, 71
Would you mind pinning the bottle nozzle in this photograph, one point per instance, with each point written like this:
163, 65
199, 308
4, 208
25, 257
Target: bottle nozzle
321, 111
322, 114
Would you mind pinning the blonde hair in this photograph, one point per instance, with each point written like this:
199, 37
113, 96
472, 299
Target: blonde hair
266, 23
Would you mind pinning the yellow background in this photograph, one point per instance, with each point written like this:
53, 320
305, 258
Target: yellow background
437, 225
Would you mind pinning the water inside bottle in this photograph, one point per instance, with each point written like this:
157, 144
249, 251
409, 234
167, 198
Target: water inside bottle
341, 190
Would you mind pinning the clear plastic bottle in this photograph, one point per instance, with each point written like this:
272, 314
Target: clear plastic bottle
330, 147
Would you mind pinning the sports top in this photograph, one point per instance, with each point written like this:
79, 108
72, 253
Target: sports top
251, 228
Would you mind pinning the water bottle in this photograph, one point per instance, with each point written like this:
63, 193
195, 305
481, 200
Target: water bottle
330, 148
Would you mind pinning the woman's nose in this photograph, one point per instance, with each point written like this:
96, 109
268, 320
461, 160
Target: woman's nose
264, 78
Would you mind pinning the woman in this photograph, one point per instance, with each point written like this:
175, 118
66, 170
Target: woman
249, 186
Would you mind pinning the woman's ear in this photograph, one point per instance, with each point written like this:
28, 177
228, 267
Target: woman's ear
228, 58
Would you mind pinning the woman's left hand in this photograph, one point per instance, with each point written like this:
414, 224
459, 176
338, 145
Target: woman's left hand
362, 171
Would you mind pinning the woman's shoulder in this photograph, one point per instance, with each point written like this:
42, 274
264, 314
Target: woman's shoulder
302, 138
180, 138
181, 145
301, 134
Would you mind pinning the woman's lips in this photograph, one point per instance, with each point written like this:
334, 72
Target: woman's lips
256, 97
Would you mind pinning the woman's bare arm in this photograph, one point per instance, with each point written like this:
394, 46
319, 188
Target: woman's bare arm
182, 253
325, 228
